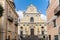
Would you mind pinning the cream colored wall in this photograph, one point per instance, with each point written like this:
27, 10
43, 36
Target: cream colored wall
37, 19
27, 18
31, 9
35, 28
37, 24
2, 2
12, 0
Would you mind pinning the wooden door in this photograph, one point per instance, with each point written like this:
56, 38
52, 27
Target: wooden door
32, 31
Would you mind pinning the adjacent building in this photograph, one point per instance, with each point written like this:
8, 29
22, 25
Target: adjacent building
53, 18
8, 21
32, 24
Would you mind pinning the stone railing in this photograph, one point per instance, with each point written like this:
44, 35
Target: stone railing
10, 18
12, 3
57, 9
16, 22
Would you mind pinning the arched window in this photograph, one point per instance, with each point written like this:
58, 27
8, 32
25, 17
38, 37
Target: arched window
42, 27
21, 27
9, 37
31, 19
21, 32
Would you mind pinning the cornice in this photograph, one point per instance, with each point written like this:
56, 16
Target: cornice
31, 13
12, 7
32, 22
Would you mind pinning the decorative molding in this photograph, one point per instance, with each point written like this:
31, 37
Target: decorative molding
33, 23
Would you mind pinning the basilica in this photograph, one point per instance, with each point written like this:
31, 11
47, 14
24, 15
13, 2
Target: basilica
32, 25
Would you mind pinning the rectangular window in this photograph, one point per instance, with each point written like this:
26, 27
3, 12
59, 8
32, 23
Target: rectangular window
56, 37
21, 32
42, 32
49, 37
57, 13
54, 22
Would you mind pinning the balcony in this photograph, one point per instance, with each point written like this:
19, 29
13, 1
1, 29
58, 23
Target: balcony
16, 22
57, 11
10, 18
9, 30
12, 3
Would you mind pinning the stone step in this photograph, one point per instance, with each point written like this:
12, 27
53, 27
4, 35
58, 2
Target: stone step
33, 37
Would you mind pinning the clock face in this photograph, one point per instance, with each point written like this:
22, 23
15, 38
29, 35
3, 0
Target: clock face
31, 9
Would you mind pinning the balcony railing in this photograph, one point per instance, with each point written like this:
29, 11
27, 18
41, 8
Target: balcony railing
57, 11
16, 22
12, 3
9, 30
10, 18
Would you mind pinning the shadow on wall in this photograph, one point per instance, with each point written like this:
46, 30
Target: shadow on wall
1, 10
1, 33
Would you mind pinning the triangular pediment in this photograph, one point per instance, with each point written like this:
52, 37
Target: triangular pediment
31, 9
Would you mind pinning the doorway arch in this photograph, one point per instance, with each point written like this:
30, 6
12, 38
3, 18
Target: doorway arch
32, 30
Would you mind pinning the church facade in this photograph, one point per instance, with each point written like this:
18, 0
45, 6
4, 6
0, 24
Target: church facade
32, 23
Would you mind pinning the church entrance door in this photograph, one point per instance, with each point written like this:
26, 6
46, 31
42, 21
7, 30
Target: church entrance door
32, 31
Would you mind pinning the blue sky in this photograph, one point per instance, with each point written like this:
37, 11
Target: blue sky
40, 4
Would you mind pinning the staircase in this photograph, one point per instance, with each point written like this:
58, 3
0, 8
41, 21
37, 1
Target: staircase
32, 37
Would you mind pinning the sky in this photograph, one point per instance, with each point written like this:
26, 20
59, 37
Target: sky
41, 5
22, 5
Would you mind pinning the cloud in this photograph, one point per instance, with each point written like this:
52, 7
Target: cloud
43, 17
20, 13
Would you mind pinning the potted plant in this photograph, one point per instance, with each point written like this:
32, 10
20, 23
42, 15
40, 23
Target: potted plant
1, 10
